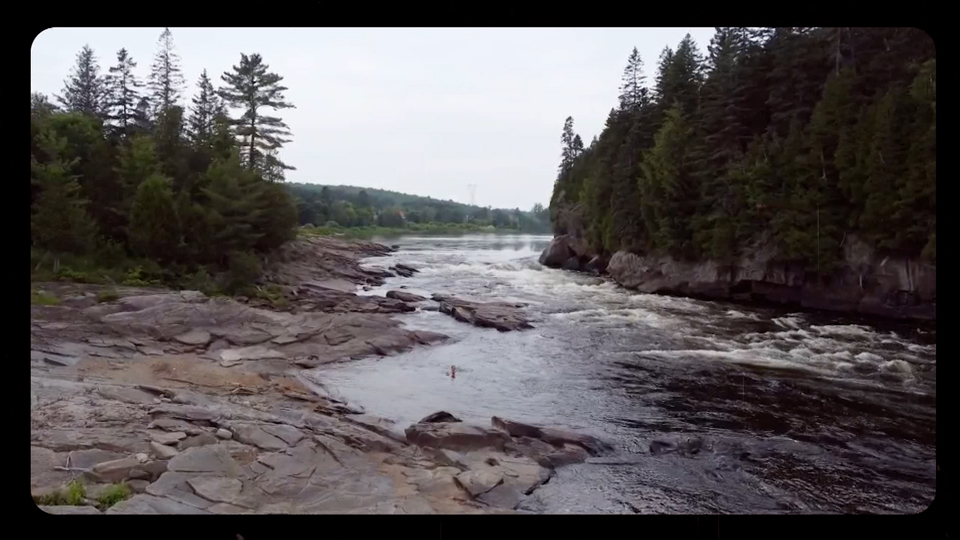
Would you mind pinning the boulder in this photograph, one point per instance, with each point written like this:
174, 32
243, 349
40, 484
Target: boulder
554, 436
558, 252
115, 470
437, 417
478, 482
405, 296
573, 264
503, 316
162, 451
205, 459
194, 337
455, 436
597, 264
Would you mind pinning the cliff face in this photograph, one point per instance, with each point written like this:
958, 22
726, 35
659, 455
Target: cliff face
865, 283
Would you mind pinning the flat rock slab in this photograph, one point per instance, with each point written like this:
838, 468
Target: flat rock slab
405, 296
150, 504
455, 436
163, 451
217, 489
70, 509
478, 482
256, 435
116, 470
500, 315
86, 459
205, 459
255, 352
166, 437
554, 436
194, 337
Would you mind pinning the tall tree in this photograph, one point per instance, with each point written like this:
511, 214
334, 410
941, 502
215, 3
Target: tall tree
166, 77
203, 113
123, 92
633, 93
252, 88
84, 91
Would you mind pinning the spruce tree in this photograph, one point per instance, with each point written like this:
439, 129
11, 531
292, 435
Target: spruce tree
84, 91
154, 223
123, 93
203, 113
166, 78
633, 94
252, 88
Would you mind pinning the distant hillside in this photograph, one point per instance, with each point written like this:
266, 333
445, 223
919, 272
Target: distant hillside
353, 206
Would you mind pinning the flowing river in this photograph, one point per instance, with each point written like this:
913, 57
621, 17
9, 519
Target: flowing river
712, 407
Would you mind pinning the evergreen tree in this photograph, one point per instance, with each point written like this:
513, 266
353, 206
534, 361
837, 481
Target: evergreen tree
84, 91
59, 223
632, 92
154, 223
166, 78
123, 93
252, 88
203, 114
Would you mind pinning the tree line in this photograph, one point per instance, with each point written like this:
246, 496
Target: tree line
794, 138
349, 206
122, 170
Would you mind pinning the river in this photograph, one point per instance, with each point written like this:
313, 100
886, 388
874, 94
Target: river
773, 411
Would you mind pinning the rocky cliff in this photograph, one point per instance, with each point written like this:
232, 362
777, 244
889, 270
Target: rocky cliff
865, 283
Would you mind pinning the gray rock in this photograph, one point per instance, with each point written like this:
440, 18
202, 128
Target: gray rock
208, 459
507, 496
202, 439
138, 485
502, 316
256, 352
573, 263
115, 470
64, 509
224, 434
557, 252
405, 296
86, 459
162, 451
164, 437
478, 482
149, 504
216, 489
455, 436
256, 436
557, 437
194, 337
287, 434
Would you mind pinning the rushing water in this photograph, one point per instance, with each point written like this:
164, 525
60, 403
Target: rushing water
790, 412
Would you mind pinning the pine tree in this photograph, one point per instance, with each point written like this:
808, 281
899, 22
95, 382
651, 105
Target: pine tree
166, 77
84, 91
123, 93
633, 94
203, 114
252, 88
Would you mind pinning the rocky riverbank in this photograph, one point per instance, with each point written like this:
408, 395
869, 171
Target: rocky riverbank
865, 283
202, 405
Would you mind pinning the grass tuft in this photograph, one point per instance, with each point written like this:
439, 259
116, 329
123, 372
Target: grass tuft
112, 494
41, 298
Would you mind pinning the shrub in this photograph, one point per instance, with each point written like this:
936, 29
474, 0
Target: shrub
243, 270
107, 296
112, 494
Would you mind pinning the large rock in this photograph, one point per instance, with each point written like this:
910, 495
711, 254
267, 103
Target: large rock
405, 296
503, 316
554, 436
70, 509
205, 459
150, 504
865, 282
558, 252
455, 436
478, 482
115, 470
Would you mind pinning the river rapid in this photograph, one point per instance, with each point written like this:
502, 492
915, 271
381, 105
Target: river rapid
712, 407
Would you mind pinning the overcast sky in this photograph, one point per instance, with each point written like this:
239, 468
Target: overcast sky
422, 111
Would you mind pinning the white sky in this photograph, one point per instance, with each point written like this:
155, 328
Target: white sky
421, 111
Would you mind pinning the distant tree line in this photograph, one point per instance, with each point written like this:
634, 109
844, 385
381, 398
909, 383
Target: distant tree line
349, 206
122, 169
795, 137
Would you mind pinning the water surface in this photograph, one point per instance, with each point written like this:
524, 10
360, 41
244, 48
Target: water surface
792, 412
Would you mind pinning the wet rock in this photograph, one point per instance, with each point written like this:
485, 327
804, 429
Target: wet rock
439, 416
70, 510
162, 451
194, 337
404, 270
478, 482
597, 264
224, 434
502, 316
455, 436
405, 296
201, 439
558, 252
573, 263
557, 437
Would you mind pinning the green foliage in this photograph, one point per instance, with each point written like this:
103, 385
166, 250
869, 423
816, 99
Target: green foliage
154, 224
795, 136
243, 269
73, 495
112, 494
107, 296
40, 298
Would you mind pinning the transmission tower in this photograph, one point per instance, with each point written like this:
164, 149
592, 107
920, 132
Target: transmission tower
472, 189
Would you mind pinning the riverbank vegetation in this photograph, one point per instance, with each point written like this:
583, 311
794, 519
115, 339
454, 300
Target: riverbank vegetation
130, 185
351, 207
795, 137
